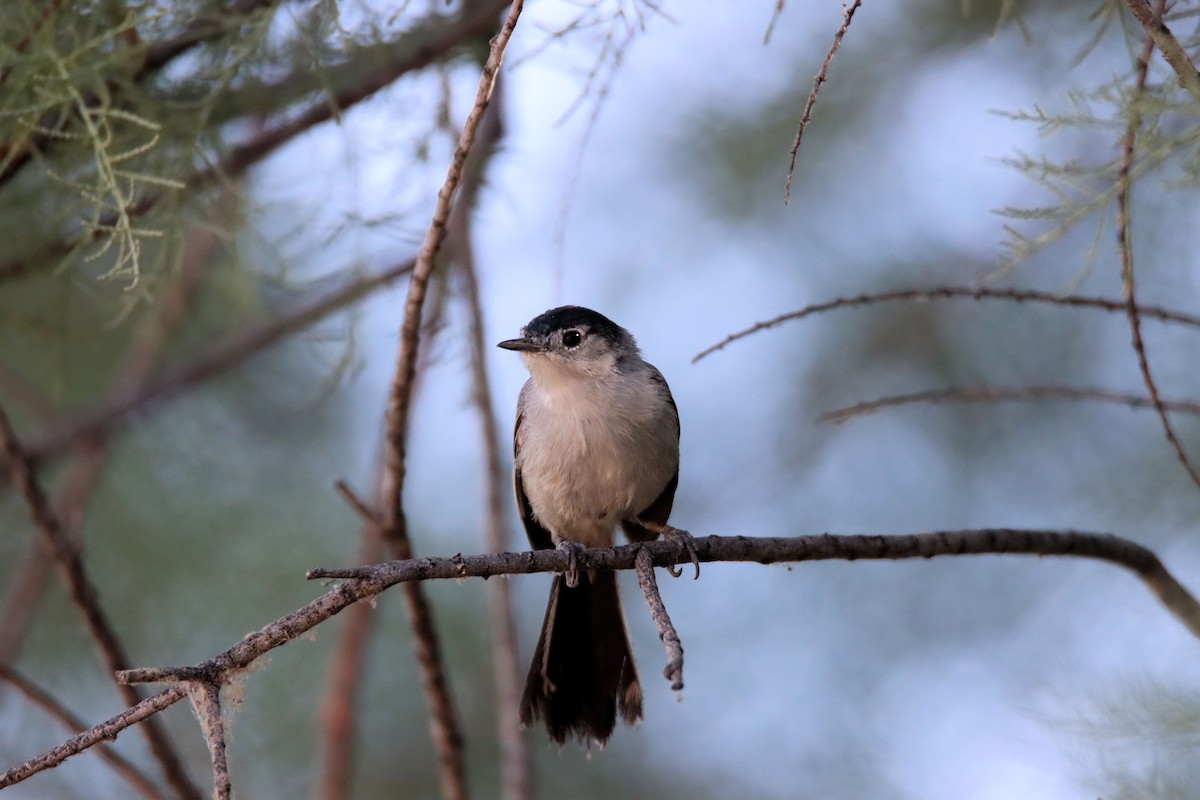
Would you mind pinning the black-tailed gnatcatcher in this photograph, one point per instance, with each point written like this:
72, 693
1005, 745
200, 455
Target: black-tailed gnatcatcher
596, 445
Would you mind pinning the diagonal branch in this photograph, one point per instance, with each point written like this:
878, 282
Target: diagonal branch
997, 394
949, 293
365, 582
1157, 30
515, 766
1125, 248
446, 731
847, 15
44, 700
83, 593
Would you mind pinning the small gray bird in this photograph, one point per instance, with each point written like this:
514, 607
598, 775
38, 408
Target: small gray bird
596, 445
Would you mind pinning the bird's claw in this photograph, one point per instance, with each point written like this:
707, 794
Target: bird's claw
572, 549
688, 544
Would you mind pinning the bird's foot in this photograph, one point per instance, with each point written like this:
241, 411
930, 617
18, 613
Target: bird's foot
685, 541
687, 544
572, 549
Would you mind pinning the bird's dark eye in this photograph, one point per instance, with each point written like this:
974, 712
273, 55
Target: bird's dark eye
572, 338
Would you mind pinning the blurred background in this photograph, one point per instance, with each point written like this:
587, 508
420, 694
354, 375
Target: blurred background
640, 171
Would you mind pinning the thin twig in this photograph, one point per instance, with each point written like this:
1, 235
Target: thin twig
206, 697
673, 672
951, 292
775, 15
47, 702
515, 766
83, 593
997, 394
847, 15
106, 731
369, 516
446, 731
1168, 45
1125, 248
365, 582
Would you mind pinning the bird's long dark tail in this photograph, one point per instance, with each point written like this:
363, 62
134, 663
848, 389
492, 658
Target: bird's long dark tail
583, 670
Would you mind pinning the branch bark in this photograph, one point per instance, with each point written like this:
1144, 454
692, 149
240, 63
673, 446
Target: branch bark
950, 293
446, 731
365, 582
996, 394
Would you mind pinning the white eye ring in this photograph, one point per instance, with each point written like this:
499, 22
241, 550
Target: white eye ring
572, 337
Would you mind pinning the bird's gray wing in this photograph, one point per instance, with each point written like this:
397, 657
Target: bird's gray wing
660, 509
539, 537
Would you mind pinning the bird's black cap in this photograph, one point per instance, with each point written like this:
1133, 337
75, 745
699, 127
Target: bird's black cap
565, 317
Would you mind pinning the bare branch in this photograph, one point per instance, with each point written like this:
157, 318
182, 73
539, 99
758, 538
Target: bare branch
106, 731
673, 672
996, 394
369, 516
1168, 45
952, 292
515, 759
775, 15
446, 732
207, 701
44, 700
1125, 248
364, 582
770, 550
83, 593
847, 15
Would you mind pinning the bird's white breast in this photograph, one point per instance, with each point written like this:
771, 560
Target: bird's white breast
593, 452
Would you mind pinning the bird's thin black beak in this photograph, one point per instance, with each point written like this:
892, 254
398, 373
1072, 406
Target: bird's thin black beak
520, 345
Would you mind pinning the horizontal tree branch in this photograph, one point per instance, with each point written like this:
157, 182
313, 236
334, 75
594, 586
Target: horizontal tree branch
365, 582
997, 394
950, 293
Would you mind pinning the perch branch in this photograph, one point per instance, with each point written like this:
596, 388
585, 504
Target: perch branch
673, 672
364, 582
995, 394
949, 293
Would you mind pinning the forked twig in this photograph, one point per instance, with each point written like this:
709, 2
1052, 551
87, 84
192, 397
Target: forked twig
673, 672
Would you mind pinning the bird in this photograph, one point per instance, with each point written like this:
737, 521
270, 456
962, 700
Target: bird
596, 445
